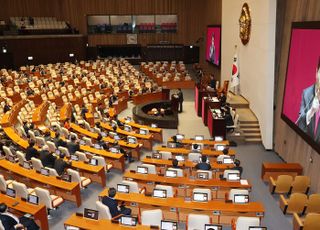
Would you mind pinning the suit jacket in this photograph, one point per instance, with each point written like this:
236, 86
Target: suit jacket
8, 222
31, 152
112, 205
47, 159
59, 142
203, 166
73, 147
306, 103
60, 165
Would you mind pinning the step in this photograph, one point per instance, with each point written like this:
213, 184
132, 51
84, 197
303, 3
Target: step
252, 135
251, 130
249, 126
253, 140
255, 122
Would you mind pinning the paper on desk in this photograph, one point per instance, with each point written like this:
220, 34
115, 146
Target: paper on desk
244, 182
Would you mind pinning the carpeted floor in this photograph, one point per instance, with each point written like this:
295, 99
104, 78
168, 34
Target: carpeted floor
251, 157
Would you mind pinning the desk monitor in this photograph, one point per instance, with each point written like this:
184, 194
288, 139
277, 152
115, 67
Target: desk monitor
218, 138
219, 147
44, 171
241, 199
233, 177
227, 160
132, 140
93, 162
156, 155
66, 177
168, 225
72, 228
196, 147
179, 137
114, 150
128, 221
200, 197
74, 157
142, 170
180, 158
124, 188
199, 137
172, 145
97, 146
212, 227
257, 228
91, 214
203, 175
26, 165
117, 137
11, 192
82, 142
171, 173
154, 126
143, 131
33, 199
127, 128
159, 193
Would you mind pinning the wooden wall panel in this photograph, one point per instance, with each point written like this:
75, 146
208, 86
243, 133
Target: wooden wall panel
290, 146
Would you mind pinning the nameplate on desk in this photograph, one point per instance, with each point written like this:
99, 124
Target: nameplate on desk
216, 213
149, 183
133, 204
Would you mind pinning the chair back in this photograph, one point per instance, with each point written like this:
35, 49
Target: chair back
237, 191
243, 223
104, 212
44, 197
283, 184
65, 132
179, 171
297, 202
21, 157
203, 190
21, 189
165, 155
3, 184
36, 164
87, 140
32, 135
206, 171
313, 203
312, 221
82, 156
169, 189
1, 226
7, 151
226, 172
300, 184
101, 161
64, 150
196, 221
151, 168
151, 217
52, 146
52, 172
40, 141
195, 157
75, 176
133, 186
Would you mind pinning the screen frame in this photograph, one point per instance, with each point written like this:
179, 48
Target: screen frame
299, 25
214, 26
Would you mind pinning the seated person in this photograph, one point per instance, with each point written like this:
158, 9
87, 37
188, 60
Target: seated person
60, 165
225, 153
237, 166
127, 154
102, 143
174, 140
228, 118
58, 141
31, 151
222, 99
73, 146
46, 157
47, 136
203, 165
175, 163
112, 204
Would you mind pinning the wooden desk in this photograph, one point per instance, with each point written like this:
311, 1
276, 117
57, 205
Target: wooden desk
39, 114
276, 169
178, 205
206, 104
147, 97
156, 132
205, 142
103, 224
145, 140
208, 152
65, 112
117, 159
68, 190
10, 117
39, 212
217, 126
185, 184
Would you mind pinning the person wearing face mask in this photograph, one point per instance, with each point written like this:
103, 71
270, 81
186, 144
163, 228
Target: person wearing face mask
309, 115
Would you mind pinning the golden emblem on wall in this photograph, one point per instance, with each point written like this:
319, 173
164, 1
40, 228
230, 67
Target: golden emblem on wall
245, 24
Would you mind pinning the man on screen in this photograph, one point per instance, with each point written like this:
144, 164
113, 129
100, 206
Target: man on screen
212, 50
309, 115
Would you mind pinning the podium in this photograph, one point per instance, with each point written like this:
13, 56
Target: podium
199, 93
216, 125
175, 103
207, 102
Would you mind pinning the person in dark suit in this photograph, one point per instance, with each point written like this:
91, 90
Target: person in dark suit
203, 165
6, 108
58, 141
237, 166
46, 157
112, 204
175, 164
212, 82
180, 97
73, 146
228, 118
223, 99
31, 151
8, 220
309, 114
174, 140
60, 165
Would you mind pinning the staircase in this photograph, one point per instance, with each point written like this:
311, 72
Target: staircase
248, 122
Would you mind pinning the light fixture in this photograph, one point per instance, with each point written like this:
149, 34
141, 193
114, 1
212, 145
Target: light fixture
71, 55
30, 58
191, 47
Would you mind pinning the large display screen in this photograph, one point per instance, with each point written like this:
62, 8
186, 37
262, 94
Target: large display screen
301, 100
213, 45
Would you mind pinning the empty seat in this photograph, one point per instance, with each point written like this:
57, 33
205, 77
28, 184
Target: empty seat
310, 222
295, 203
21, 189
226, 172
169, 189
52, 172
233, 192
203, 190
82, 156
165, 155
281, 185
4, 184
151, 168
195, 157
64, 150
21, 157
195, 221
313, 204
151, 217
50, 201
133, 186
206, 171
300, 184
36, 164
75, 177
179, 171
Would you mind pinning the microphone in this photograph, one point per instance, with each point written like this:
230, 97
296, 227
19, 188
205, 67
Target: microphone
304, 110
